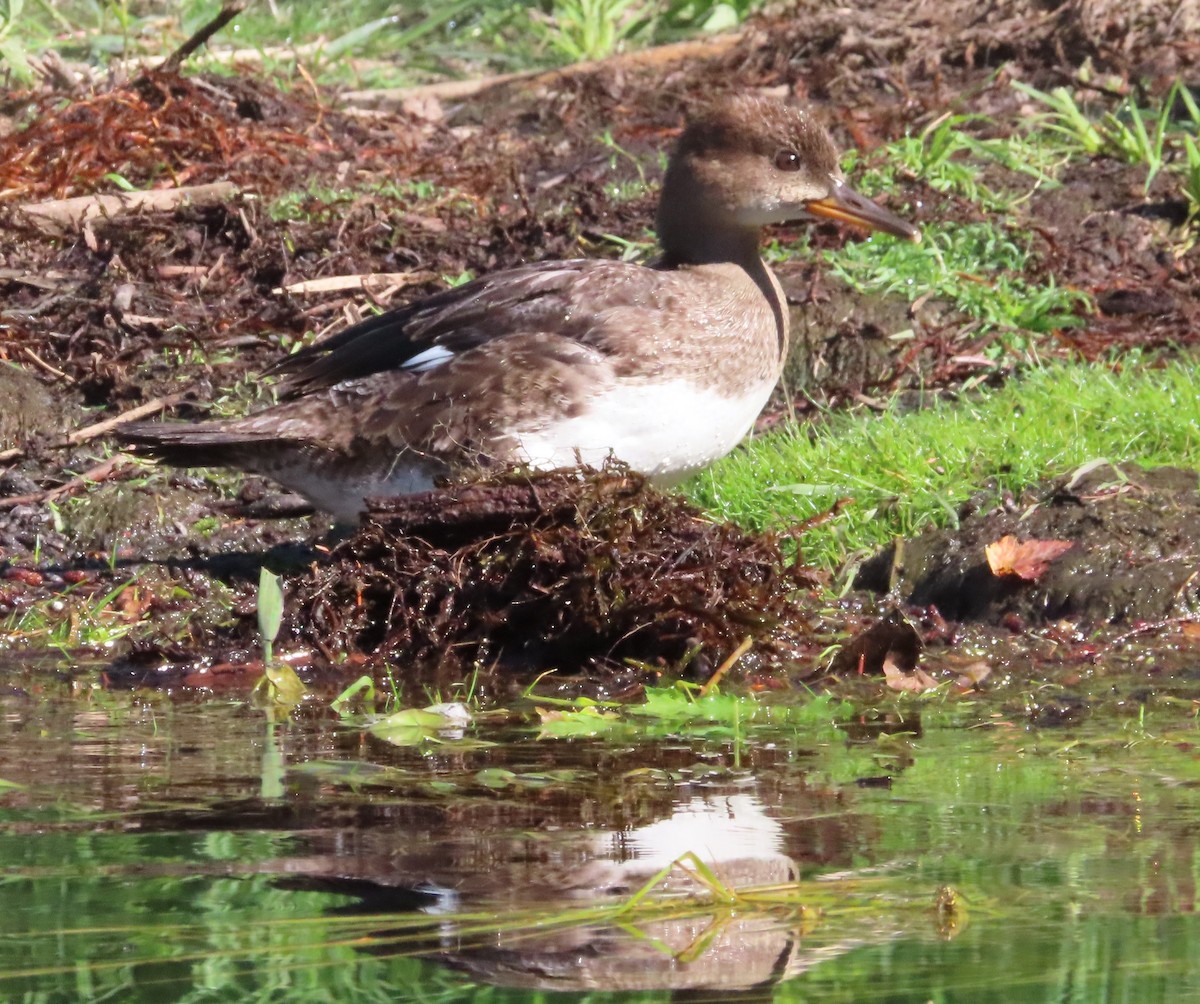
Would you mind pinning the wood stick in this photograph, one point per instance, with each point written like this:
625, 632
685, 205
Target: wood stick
101, 472
50, 280
727, 665
70, 214
132, 415
371, 280
705, 48
229, 10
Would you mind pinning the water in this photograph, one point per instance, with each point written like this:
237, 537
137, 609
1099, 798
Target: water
158, 850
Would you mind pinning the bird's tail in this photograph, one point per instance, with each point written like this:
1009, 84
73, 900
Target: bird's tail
201, 444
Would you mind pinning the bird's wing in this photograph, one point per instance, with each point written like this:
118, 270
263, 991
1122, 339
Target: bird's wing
549, 296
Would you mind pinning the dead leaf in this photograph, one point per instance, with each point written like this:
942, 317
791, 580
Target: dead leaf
916, 682
1027, 559
970, 677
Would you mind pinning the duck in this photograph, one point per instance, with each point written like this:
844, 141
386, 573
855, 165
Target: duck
662, 366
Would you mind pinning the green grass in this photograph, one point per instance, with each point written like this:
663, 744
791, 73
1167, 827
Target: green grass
950, 159
319, 203
1160, 137
362, 43
97, 621
979, 267
907, 472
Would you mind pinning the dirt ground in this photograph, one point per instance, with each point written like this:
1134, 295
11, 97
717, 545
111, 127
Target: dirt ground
177, 310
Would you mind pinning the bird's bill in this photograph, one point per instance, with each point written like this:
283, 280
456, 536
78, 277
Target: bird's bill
847, 206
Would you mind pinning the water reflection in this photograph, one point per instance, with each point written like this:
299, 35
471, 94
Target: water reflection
164, 850
728, 828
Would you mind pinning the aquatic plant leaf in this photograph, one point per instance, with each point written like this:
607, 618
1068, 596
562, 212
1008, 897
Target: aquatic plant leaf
270, 605
279, 686
415, 725
587, 721
456, 714
364, 685
500, 777
495, 777
1026, 560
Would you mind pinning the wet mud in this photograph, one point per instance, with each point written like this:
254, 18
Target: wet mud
1134, 539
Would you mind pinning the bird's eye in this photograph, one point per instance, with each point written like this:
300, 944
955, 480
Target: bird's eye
787, 160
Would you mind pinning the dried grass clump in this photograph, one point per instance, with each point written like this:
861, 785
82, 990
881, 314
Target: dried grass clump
559, 570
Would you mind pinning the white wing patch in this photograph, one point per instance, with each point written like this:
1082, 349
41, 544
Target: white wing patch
430, 359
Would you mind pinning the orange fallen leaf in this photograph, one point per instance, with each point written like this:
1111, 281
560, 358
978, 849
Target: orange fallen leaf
1026, 559
916, 682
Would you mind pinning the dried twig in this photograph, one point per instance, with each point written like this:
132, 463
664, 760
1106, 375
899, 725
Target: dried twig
51, 280
229, 10
369, 281
727, 665
39, 361
70, 214
453, 90
94, 475
153, 407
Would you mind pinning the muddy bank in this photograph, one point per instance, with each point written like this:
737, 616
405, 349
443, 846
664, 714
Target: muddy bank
1133, 556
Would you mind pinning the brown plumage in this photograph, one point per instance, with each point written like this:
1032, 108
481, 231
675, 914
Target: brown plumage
664, 366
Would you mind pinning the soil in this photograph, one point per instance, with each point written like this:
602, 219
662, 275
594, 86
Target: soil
1134, 554
191, 305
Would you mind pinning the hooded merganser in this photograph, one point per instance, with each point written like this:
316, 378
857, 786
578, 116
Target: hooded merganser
663, 366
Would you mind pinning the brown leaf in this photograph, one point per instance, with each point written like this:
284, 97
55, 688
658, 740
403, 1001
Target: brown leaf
916, 682
970, 677
1027, 559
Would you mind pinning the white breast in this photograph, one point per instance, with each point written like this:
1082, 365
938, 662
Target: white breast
666, 431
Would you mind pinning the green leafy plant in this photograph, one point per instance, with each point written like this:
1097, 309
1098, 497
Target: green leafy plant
1130, 134
12, 49
1191, 178
279, 685
590, 29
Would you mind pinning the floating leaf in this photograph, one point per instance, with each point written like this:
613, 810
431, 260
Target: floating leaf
495, 777
416, 725
587, 721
